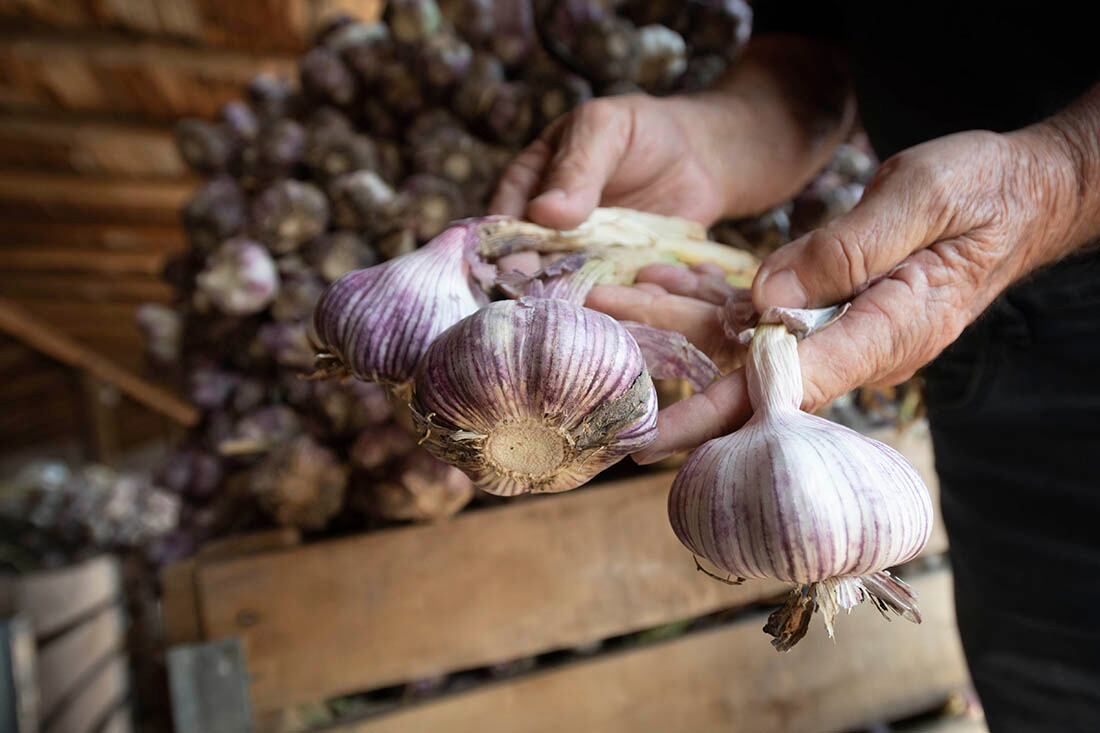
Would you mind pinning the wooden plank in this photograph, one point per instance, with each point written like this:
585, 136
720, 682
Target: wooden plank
120, 77
55, 599
510, 582
728, 679
252, 24
102, 287
180, 603
99, 236
179, 596
95, 702
64, 662
89, 148
62, 259
19, 323
121, 721
71, 198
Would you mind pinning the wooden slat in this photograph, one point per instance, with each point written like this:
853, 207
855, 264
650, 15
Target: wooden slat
64, 662
72, 198
179, 594
496, 584
121, 77
180, 604
80, 287
60, 259
121, 721
19, 323
89, 149
728, 680
99, 236
253, 24
95, 702
55, 599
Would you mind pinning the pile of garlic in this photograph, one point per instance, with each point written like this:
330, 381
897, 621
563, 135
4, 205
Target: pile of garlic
539, 394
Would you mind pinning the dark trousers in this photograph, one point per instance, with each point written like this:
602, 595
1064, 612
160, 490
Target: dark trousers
1014, 407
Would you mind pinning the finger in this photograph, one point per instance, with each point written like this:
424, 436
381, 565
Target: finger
520, 179
651, 288
895, 327
896, 217
708, 268
696, 320
718, 410
593, 142
706, 285
527, 263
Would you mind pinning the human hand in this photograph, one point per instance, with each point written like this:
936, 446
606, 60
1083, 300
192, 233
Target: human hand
634, 150
942, 229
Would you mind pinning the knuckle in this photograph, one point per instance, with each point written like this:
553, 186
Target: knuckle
841, 254
598, 112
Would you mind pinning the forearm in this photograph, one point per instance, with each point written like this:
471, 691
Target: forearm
1065, 166
776, 118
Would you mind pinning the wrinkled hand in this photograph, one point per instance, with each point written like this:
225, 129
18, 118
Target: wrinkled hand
634, 150
942, 229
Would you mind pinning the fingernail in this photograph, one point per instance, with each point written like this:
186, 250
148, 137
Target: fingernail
783, 289
644, 459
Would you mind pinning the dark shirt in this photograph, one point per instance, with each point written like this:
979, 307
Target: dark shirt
923, 70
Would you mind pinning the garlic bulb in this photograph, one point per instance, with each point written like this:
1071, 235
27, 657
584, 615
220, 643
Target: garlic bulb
377, 322
240, 278
801, 499
534, 395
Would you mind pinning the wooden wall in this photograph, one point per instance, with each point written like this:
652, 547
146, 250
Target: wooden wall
90, 182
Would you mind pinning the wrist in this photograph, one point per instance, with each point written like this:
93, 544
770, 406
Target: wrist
1055, 172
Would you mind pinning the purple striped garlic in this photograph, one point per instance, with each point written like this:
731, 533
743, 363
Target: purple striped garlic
377, 322
534, 395
795, 497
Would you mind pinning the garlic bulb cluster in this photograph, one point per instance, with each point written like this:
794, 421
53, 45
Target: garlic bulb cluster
534, 395
798, 498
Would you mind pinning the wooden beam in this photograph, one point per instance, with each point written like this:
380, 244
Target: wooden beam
728, 679
121, 77
72, 198
251, 24
19, 323
55, 599
107, 150
64, 662
513, 581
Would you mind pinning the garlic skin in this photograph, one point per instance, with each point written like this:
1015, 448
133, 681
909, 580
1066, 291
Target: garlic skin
534, 395
801, 499
377, 322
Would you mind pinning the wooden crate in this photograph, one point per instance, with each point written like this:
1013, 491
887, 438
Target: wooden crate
73, 669
550, 573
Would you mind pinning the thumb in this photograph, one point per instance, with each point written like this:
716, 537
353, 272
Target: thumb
834, 262
592, 143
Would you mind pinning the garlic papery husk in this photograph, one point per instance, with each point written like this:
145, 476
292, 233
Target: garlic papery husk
627, 238
534, 395
377, 322
798, 498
